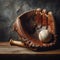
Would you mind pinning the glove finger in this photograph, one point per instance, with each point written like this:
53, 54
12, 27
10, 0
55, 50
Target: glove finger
51, 22
44, 18
38, 16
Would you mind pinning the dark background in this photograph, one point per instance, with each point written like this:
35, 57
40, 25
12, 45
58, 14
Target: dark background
10, 9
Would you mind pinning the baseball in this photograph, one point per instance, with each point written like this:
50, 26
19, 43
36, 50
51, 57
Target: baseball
43, 35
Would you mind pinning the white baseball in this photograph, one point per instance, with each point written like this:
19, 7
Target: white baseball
43, 35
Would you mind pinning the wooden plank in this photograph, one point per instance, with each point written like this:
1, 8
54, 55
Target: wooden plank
5, 48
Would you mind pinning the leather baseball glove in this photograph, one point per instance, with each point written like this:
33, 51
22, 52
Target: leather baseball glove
36, 29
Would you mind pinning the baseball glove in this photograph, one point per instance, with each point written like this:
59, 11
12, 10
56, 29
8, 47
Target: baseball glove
36, 29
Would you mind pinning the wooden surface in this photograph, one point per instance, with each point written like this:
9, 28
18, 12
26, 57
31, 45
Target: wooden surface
5, 48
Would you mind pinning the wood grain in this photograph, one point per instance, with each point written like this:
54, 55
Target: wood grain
5, 48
